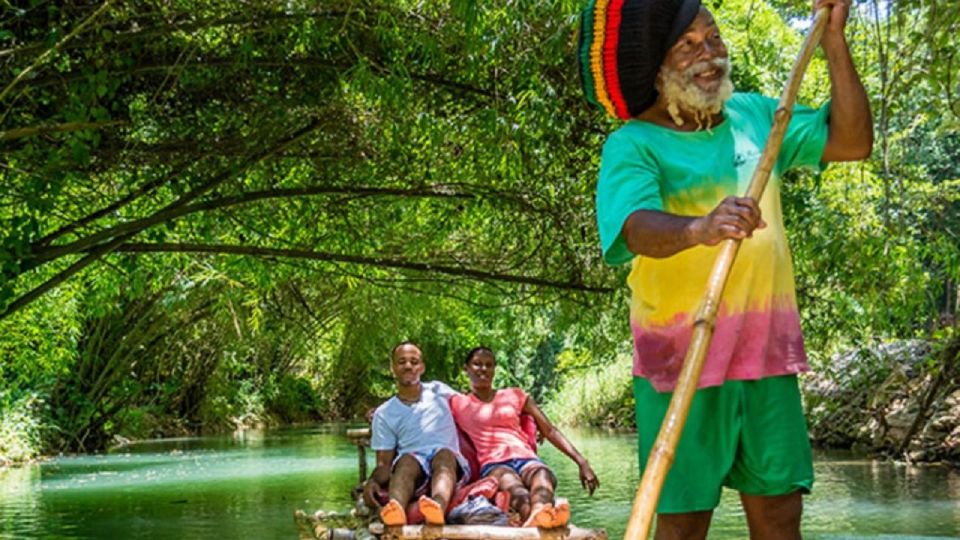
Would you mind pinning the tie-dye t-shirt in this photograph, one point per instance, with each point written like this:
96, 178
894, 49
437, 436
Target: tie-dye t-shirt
649, 167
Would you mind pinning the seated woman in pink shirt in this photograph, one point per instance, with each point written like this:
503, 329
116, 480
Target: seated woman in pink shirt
491, 420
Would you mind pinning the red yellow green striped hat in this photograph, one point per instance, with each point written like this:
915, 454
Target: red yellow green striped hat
621, 47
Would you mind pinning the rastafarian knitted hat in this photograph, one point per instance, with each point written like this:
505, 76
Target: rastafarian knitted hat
621, 47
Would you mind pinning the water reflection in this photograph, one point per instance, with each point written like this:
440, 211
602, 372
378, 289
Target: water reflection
248, 487
185, 488
877, 498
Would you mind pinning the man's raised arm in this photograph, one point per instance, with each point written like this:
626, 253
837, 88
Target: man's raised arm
851, 126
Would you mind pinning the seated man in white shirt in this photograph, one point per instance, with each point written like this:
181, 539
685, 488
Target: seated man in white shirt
416, 442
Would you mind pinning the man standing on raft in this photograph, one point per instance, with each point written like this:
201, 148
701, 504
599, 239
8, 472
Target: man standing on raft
668, 191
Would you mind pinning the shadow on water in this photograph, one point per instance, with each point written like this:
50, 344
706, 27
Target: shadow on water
248, 487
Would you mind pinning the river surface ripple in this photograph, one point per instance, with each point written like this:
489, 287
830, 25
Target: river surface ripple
248, 486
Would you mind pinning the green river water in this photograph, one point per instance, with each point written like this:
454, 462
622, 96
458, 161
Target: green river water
248, 487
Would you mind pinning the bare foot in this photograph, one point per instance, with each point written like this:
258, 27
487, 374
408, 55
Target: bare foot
561, 513
541, 516
431, 510
393, 515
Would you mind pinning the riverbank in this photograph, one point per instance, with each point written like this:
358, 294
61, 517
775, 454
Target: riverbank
45, 422
248, 423
899, 400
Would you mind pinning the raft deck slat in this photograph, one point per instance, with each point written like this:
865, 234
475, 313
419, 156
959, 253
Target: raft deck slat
487, 532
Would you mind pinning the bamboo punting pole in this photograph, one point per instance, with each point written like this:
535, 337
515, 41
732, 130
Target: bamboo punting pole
662, 453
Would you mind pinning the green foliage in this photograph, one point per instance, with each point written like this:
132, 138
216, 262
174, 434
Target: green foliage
429, 169
295, 401
860, 279
21, 427
601, 396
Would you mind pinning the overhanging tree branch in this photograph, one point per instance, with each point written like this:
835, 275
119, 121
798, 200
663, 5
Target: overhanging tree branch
438, 191
41, 255
164, 66
383, 262
247, 18
441, 191
43, 57
92, 256
112, 207
17, 133
99, 244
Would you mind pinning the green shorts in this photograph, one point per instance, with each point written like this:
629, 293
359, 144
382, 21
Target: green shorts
750, 436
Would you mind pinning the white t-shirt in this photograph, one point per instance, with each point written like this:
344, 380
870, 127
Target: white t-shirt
420, 427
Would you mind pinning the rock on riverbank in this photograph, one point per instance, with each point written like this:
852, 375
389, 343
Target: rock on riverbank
899, 399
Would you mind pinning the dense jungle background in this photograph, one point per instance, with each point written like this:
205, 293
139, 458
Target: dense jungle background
218, 214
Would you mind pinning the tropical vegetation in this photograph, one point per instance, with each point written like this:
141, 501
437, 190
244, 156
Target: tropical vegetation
215, 215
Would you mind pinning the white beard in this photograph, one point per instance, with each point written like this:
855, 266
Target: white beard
680, 92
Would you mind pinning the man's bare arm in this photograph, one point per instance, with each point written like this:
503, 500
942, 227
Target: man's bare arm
659, 234
851, 125
588, 479
379, 478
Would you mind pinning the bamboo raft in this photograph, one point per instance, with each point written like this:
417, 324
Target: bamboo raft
359, 524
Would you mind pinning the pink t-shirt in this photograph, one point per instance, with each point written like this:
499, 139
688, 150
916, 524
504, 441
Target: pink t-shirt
494, 428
